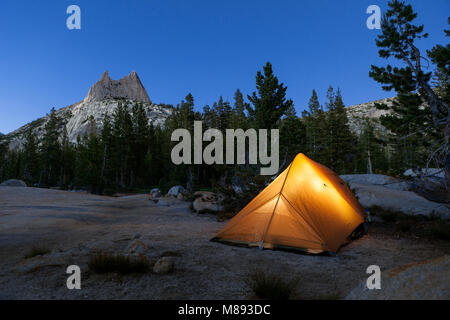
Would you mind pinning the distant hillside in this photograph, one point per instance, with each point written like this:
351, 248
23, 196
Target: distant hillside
359, 113
104, 96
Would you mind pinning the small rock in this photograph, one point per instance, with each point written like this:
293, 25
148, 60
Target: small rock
164, 265
174, 191
155, 193
136, 247
180, 196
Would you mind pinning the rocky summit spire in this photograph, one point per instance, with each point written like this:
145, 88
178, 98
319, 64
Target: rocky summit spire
129, 87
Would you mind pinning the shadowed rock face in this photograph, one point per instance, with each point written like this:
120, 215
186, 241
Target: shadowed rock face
129, 87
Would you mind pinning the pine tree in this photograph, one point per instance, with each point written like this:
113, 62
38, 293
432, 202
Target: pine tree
209, 117
122, 135
50, 151
292, 137
411, 82
89, 159
313, 119
269, 102
372, 150
342, 142
139, 145
107, 170
186, 112
31, 158
222, 110
67, 159
238, 117
3, 159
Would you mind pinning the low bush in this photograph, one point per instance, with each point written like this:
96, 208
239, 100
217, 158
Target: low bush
439, 229
270, 286
105, 263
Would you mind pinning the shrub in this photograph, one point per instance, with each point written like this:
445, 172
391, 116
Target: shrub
270, 286
386, 215
440, 229
36, 251
104, 263
404, 225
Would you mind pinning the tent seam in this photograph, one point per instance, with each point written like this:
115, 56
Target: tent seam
273, 212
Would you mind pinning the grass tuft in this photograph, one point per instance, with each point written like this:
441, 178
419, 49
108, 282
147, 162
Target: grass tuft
105, 263
270, 286
36, 251
440, 229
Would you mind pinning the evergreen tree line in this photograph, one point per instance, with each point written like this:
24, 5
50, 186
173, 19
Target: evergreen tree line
129, 153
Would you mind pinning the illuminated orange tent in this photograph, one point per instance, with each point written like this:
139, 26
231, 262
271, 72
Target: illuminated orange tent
307, 207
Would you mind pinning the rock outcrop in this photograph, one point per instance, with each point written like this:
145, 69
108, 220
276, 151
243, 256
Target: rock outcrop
129, 87
359, 114
407, 202
102, 99
377, 179
393, 194
421, 280
207, 202
13, 183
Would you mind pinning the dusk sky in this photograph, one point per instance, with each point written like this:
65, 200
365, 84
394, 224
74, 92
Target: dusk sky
208, 48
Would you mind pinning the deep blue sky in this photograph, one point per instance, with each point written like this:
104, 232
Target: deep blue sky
208, 48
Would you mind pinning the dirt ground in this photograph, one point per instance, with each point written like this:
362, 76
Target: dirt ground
74, 225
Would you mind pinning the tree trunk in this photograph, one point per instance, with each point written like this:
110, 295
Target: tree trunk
369, 163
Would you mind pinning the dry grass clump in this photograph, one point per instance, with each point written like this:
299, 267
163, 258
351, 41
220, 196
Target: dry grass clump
36, 251
270, 286
105, 263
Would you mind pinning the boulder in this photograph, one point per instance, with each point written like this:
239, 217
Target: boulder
376, 179
54, 259
13, 183
175, 190
406, 202
155, 193
136, 247
206, 201
427, 172
164, 265
420, 280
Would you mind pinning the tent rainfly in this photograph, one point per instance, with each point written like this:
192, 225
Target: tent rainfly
307, 207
